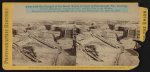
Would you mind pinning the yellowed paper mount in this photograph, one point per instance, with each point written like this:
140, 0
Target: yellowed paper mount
72, 36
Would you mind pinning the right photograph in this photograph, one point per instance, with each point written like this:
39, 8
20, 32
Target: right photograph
107, 43
110, 39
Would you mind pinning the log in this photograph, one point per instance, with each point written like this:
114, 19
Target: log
105, 41
53, 46
20, 50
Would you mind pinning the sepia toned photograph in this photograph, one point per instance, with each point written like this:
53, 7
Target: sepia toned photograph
75, 38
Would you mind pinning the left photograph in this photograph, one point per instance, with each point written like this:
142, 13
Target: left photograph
40, 39
43, 43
